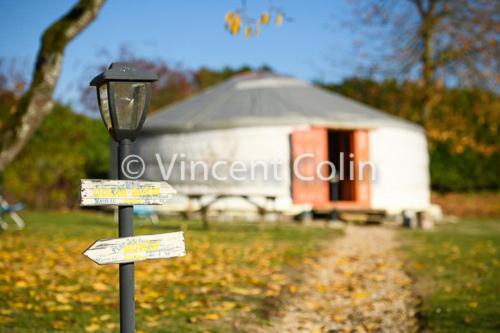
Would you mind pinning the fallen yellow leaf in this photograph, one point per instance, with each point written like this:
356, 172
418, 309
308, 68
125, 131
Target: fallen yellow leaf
92, 328
211, 316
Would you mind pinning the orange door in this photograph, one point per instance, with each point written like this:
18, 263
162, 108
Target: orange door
309, 149
362, 153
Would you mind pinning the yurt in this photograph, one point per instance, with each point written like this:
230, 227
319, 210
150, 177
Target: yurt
263, 143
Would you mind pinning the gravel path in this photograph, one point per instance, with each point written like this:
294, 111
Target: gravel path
359, 286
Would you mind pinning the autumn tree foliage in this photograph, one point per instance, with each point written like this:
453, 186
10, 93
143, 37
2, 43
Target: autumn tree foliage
66, 148
239, 19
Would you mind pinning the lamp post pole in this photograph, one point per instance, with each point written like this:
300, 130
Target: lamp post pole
126, 229
123, 92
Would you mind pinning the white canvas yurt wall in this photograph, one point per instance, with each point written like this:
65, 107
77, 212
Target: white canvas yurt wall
260, 152
402, 169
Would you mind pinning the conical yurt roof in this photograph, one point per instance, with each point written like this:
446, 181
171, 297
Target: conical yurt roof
263, 99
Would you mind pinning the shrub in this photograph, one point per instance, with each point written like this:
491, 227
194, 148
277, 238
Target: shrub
66, 148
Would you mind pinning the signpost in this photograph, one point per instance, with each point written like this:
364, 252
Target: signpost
123, 93
95, 192
128, 249
138, 248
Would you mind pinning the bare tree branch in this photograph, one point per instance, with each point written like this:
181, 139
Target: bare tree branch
437, 41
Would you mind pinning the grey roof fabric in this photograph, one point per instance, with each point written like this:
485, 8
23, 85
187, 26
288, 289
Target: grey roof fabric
258, 99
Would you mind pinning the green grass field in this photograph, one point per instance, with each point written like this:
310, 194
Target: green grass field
457, 269
233, 273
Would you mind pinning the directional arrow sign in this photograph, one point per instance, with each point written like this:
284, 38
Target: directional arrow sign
95, 192
138, 248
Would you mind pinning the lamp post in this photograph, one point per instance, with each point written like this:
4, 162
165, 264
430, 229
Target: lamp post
123, 93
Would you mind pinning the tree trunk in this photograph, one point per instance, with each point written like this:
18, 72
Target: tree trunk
427, 76
36, 103
428, 22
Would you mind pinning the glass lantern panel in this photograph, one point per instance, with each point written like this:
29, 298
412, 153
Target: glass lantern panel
104, 105
130, 100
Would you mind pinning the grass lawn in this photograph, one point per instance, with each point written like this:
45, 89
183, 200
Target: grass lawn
231, 275
457, 269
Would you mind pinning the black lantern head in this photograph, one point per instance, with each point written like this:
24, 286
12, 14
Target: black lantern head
123, 93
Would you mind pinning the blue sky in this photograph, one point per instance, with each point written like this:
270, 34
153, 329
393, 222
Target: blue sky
318, 44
